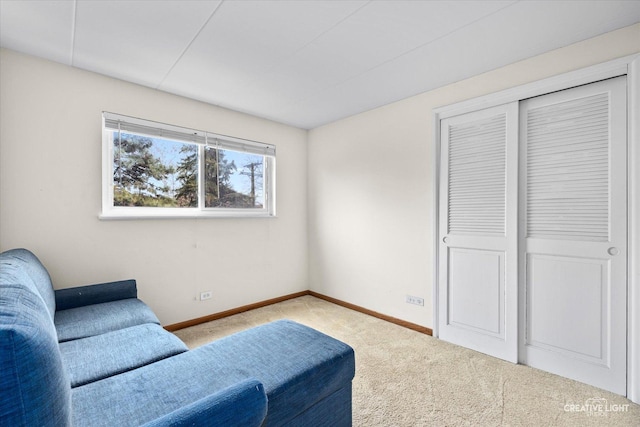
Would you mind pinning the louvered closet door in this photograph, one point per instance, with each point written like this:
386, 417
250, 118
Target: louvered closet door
478, 231
574, 229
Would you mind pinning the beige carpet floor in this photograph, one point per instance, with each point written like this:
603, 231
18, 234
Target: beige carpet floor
405, 378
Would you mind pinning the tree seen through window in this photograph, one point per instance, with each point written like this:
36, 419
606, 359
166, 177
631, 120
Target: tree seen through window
156, 172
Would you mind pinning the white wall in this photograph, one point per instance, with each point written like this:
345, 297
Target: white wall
368, 237
50, 196
370, 185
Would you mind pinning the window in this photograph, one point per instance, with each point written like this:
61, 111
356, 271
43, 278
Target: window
153, 169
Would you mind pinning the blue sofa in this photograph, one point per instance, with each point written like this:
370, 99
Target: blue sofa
97, 356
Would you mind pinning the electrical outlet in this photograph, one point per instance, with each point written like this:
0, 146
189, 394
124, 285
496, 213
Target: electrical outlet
205, 295
415, 300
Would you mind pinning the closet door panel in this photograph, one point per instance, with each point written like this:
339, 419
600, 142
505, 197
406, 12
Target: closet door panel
476, 304
574, 233
570, 317
478, 231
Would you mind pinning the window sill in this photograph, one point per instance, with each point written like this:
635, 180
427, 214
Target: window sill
153, 213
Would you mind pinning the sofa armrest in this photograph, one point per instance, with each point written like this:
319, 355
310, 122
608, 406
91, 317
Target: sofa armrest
242, 404
95, 294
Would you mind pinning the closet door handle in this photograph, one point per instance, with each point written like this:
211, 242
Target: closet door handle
445, 239
613, 251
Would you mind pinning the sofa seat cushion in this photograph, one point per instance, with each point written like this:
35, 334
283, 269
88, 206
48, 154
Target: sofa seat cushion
101, 356
96, 319
297, 365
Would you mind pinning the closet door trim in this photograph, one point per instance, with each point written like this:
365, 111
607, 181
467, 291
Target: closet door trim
633, 292
606, 70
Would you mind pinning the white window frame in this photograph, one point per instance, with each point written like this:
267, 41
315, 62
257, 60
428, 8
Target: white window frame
202, 139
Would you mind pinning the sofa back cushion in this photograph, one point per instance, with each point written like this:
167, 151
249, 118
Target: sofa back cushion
28, 271
35, 386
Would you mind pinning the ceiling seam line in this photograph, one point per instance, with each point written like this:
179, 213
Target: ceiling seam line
73, 31
285, 57
332, 27
294, 103
189, 45
446, 35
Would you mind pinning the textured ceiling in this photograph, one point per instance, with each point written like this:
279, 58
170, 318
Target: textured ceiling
303, 63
